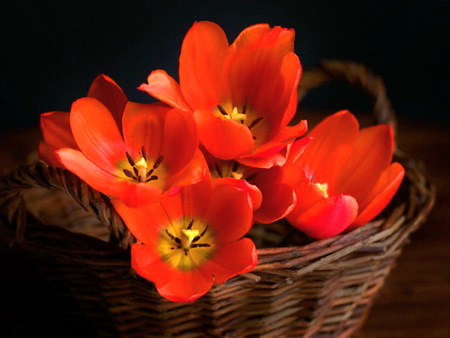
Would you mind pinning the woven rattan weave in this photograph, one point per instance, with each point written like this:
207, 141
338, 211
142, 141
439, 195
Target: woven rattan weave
299, 288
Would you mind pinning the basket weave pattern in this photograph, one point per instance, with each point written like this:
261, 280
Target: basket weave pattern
301, 288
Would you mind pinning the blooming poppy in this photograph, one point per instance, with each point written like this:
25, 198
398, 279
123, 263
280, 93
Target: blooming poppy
55, 125
242, 95
343, 178
193, 238
157, 149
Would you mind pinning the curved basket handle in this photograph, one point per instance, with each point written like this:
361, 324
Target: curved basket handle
357, 75
40, 174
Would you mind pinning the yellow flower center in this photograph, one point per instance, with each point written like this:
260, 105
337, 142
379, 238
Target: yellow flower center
323, 187
142, 170
186, 245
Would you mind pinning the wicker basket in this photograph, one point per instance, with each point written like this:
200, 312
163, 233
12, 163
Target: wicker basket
299, 288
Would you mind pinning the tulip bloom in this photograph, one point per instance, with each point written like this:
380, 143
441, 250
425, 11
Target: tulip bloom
55, 125
192, 239
272, 198
242, 95
343, 178
157, 149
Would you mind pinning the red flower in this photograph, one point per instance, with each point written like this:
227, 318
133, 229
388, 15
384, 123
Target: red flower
192, 239
56, 126
158, 149
243, 95
343, 178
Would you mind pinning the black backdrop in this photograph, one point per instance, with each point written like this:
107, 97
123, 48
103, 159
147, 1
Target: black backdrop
52, 50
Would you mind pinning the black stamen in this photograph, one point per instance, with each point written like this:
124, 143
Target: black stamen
158, 162
200, 245
255, 122
250, 177
244, 108
191, 223
235, 166
128, 173
144, 154
196, 239
219, 172
136, 172
139, 179
150, 172
204, 231
172, 237
130, 159
186, 252
254, 137
222, 110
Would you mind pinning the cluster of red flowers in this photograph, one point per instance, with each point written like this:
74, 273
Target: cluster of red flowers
191, 173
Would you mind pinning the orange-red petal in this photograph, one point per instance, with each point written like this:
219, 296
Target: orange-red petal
224, 139
46, 153
146, 229
96, 133
255, 60
372, 154
171, 283
278, 198
380, 195
163, 87
231, 259
329, 148
108, 92
103, 181
321, 217
202, 55
229, 212
56, 130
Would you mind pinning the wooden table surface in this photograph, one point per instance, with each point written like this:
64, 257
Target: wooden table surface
415, 300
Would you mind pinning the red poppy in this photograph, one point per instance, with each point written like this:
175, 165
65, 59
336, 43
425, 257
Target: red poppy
192, 239
243, 95
158, 149
344, 176
55, 125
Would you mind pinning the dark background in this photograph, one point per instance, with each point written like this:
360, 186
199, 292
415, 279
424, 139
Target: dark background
52, 50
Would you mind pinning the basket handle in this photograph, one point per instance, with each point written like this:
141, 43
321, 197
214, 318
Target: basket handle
357, 75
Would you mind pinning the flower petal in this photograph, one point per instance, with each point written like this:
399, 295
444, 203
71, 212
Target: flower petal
255, 60
103, 181
56, 130
46, 153
171, 283
165, 88
108, 92
229, 212
224, 139
380, 195
329, 147
96, 133
202, 55
145, 229
196, 171
324, 217
255, 193
278, 198
231, 259
371, 155
268, 154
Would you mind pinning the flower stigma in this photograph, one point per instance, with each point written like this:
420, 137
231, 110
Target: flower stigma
140, 171
189, 249
323, 187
